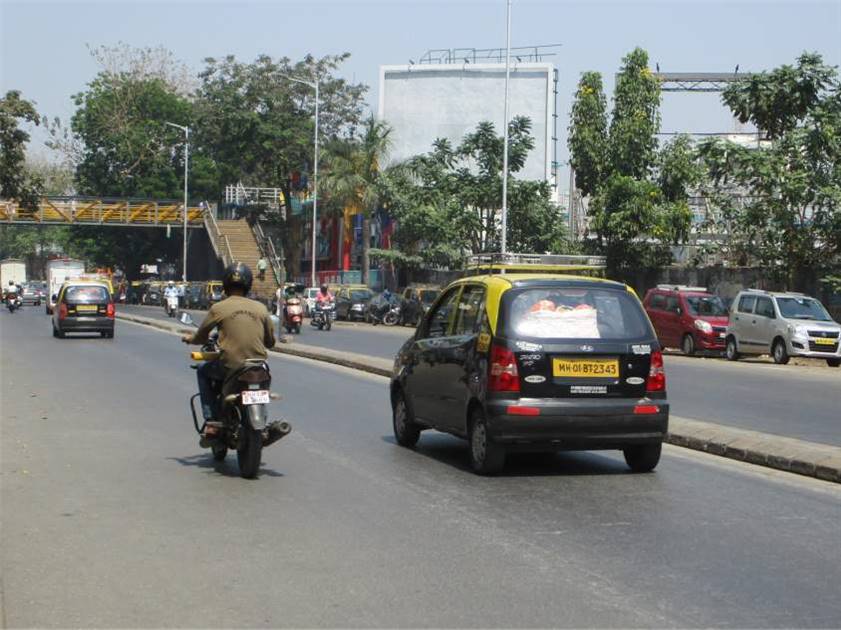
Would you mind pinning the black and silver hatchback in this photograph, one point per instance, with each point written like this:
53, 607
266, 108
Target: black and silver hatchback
83, 307
534, 362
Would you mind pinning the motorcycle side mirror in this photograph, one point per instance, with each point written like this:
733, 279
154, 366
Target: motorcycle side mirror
186, 319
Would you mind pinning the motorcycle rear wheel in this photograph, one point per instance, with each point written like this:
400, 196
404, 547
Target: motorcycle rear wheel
391, 319
249, 452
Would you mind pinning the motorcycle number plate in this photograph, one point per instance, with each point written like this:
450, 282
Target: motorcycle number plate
255, 397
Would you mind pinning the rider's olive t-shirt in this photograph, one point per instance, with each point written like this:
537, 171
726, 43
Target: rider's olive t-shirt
245, 330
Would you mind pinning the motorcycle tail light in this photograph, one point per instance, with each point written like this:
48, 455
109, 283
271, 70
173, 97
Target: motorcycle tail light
656, 374
503, 375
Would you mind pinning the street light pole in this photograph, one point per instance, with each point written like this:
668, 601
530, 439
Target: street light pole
313, 84
186, 131
504, 242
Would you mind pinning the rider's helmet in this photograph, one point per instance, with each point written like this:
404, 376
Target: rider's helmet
170, 283
11, 283
237, 275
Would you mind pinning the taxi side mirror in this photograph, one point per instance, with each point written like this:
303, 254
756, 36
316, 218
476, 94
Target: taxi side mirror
55, 297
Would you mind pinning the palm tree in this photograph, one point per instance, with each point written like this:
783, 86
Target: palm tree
353, 176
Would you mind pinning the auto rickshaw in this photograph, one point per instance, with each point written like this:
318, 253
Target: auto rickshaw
213, 292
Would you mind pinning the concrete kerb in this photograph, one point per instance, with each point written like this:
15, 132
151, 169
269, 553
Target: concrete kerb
821, 461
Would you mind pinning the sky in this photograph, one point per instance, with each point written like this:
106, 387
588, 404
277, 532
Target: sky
44, 45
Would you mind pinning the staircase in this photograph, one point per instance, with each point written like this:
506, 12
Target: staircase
244, 248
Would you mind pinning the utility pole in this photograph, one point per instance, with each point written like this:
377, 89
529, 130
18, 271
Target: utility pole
505, 132
313, 84
186, 131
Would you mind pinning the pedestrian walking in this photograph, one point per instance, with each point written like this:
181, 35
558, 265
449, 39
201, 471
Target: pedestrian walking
261, 267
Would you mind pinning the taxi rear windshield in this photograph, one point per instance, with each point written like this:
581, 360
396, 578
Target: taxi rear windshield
575, 313
86, 295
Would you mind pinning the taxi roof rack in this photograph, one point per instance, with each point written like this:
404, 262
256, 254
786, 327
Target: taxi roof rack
496, 262
680, 287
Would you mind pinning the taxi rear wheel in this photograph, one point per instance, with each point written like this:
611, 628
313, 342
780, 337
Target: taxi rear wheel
406, 432
486, 457
643, 458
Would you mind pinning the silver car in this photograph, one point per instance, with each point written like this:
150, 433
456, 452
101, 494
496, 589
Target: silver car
782, 325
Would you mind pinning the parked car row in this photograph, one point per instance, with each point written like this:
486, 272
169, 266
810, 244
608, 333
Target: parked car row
781, 324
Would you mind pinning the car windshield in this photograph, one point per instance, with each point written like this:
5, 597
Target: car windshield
576, 313
360, 295
802, 308
706, 305
85, 295
428, 297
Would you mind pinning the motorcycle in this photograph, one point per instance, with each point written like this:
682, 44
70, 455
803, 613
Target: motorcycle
388, 314
13, 301
323, 316
243, 403
171, 305
293, 315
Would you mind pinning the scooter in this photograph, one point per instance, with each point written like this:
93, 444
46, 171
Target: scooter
243, 403
323, 316
293, 315
171, 305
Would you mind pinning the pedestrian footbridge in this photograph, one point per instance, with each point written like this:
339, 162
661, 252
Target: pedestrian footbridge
96, 211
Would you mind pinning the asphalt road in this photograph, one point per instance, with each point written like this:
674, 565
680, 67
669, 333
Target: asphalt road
791, 400
113, 516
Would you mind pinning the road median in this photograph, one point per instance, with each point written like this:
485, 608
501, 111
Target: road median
822, 461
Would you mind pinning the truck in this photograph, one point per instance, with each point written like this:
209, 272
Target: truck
59, 271
14, 270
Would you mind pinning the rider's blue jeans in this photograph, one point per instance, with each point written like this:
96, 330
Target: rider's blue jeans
210, 376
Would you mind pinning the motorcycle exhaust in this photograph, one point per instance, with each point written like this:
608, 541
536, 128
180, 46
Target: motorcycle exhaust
276, 431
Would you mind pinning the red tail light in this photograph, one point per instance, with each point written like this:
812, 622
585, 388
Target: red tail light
503, 371
62, 311
109, 310
657, 374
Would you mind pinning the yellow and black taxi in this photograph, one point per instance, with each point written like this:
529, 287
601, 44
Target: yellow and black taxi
534, 360
84, 307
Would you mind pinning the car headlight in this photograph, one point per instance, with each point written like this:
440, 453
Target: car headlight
703, 326
356, 307
799, 331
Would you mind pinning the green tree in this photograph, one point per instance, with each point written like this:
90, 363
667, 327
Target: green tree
15, 181
638, 195
790, 184
256, 126
354, 176
447, 202
588, 134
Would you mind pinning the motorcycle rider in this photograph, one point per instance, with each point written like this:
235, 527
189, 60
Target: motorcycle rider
245, 331
11, 291
324, 296
170, 291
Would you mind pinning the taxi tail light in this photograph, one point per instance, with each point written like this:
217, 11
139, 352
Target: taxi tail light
656, 374
109, 310
62, 311
503, 376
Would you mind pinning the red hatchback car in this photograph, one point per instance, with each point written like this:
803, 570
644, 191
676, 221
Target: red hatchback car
689, 318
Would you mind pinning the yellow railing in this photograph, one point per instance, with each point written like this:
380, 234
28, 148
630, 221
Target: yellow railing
87, 211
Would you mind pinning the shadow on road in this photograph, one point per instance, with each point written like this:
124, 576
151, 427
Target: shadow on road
227, 468
453, 452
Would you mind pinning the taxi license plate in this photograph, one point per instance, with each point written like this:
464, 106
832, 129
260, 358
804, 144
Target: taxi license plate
86, 308
255, 397
825, 342
585, 368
